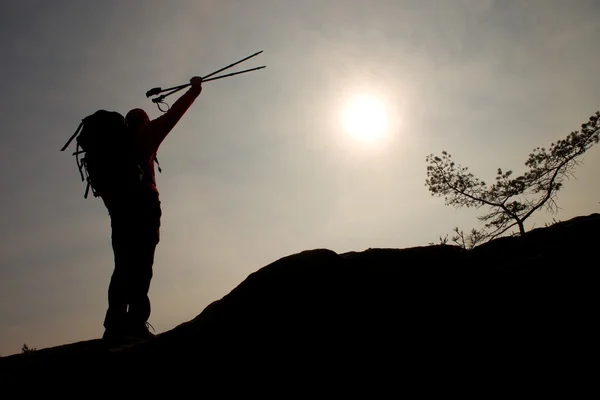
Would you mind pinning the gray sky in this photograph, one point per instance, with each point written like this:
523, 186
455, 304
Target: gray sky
261, 166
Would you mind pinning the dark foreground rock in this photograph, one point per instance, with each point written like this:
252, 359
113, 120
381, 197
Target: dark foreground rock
503, 312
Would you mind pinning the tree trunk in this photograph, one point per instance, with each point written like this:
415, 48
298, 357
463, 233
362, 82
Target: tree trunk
521, 227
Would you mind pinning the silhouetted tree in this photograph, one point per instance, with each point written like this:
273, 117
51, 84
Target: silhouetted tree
510, 200
26, 349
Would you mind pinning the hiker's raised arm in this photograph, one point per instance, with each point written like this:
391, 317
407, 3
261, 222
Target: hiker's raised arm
165, 123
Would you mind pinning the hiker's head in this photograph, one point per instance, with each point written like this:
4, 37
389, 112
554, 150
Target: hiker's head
136, 118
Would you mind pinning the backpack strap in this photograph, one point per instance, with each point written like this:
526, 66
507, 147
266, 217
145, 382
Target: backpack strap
81, 166
87, 190
79, 162
72, 137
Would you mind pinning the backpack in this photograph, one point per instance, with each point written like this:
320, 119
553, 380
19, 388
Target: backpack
104, 154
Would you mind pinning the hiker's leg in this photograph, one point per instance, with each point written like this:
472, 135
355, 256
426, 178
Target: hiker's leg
142, 269
139, 281
118, 288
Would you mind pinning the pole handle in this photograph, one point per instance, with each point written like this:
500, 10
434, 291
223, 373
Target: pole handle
153, 91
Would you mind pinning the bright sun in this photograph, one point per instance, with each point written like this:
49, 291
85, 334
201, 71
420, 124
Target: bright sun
365, 118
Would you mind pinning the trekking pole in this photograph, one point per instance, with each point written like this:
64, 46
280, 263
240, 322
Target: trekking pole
178, 88
231, 65
158, 90
232, 74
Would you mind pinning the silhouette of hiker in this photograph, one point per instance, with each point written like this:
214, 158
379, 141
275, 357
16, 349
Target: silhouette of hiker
135, 224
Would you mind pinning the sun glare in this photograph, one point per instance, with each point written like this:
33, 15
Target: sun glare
365, 118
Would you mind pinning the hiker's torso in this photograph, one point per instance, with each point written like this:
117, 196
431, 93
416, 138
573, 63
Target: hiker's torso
145, 143
140, 186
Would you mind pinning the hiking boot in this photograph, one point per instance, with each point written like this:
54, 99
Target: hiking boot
117, 336
140, 331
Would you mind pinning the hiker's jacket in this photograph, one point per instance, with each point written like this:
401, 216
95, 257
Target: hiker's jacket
148, 138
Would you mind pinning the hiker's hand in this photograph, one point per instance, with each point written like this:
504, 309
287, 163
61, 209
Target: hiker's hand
196, 81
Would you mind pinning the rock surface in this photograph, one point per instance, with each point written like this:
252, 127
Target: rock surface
508, 309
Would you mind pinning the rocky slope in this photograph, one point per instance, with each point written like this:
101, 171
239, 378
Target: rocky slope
508, 309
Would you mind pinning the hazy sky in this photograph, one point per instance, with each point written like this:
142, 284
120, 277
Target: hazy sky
262, 165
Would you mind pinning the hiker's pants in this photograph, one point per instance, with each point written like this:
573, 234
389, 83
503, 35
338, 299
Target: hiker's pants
135, 229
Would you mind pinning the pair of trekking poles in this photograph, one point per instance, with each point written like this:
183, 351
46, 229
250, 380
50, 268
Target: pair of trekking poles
210, 77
